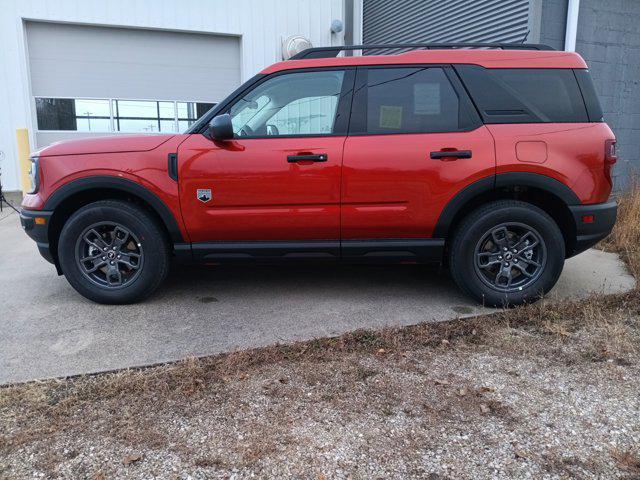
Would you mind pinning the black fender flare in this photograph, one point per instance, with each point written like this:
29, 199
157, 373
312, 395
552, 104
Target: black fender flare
491, 184
123, 185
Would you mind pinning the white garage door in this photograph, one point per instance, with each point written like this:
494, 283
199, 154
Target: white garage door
115, 79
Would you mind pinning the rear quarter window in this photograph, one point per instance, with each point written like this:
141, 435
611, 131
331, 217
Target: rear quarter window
525, 95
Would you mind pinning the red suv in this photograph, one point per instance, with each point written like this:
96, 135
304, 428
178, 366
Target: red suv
495, 161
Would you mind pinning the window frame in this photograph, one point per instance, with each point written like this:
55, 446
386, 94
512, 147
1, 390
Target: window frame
358, 123
343, 109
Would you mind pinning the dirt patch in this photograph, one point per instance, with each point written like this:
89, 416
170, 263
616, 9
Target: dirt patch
535, 391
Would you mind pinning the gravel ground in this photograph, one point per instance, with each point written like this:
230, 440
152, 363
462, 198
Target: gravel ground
508, 402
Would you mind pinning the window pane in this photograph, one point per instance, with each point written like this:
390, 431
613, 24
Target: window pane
92, 108
192, 110
56, 114
184, 124
136, 125
295, 104
166, 110
553, 94
93, 124
136, 109
243, 111
70, 114
410, 100
527, 95
202, 108
168, 126
306, 116
187, 110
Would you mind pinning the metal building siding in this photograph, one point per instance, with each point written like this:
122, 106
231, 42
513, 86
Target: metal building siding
407, 21
260, 25
79, 61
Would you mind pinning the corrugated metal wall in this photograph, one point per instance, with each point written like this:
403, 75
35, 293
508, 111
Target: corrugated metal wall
407, 21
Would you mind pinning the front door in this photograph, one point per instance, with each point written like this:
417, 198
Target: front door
278, 180
415, 141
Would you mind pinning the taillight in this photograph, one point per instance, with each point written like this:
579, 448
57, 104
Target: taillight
610, 157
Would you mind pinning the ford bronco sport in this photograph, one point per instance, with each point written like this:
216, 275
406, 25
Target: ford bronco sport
493, 159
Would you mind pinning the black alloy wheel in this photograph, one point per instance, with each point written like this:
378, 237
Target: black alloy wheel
510, 257
109, 254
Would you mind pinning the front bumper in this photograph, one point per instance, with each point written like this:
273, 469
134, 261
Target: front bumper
38, 231
593, 223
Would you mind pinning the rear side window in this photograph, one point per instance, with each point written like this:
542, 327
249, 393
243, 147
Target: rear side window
525, 95
406, 100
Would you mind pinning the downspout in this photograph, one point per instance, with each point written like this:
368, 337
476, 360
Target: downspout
571, 30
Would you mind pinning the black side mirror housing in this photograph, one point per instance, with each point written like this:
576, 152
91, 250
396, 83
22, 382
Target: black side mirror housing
220, 128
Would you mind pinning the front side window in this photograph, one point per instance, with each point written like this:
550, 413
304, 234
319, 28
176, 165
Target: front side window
290, 104
406, 100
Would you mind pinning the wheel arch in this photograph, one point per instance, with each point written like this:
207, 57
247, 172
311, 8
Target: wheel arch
549, 194
69, 198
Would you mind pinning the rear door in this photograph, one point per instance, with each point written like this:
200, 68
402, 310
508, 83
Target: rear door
415, 140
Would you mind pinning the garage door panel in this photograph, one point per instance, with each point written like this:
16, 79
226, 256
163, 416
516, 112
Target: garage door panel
101, 62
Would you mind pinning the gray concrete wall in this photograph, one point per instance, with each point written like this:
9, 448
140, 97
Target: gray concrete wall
554, 19
609, 41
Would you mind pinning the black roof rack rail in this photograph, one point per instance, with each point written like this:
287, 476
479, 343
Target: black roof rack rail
328, 52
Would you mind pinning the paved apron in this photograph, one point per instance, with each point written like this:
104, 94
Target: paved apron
48, 330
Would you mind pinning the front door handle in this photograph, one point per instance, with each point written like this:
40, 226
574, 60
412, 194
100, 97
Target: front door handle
450, 155
308, 157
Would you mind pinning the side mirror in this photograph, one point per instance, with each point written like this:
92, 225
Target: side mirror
220, 128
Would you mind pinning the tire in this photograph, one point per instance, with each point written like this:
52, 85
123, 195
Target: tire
112, 235
483, 270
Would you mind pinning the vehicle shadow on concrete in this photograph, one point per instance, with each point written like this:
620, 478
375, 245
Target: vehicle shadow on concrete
312, 280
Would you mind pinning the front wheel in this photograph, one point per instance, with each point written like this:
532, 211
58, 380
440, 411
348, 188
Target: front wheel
113, 252
507, 253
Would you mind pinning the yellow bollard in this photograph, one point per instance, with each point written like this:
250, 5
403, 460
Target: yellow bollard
24, 151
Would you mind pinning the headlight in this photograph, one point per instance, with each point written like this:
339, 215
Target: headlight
34, 175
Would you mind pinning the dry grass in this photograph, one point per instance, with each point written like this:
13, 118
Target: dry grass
625, 238
122, 406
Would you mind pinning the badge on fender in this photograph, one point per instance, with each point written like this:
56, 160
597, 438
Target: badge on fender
203, 194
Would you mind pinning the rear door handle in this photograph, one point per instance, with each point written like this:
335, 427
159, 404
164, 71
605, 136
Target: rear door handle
320, 157
445, 155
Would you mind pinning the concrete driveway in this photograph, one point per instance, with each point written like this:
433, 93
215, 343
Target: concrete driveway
48, 330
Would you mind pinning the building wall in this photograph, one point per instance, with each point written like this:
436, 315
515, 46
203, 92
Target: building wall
261, 24
419, 21
609, 40
553, 23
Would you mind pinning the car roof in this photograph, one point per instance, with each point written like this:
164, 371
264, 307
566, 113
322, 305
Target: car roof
485, 58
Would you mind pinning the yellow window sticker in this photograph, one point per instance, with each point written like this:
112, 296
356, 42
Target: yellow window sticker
390, 116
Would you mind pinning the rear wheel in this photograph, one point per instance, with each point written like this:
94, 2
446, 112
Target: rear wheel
507, 253
113, 252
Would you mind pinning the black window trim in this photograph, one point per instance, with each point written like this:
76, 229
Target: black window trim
343, 109
474, 119
594, 112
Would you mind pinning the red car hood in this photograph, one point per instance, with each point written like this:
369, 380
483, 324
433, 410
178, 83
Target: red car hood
111, 144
